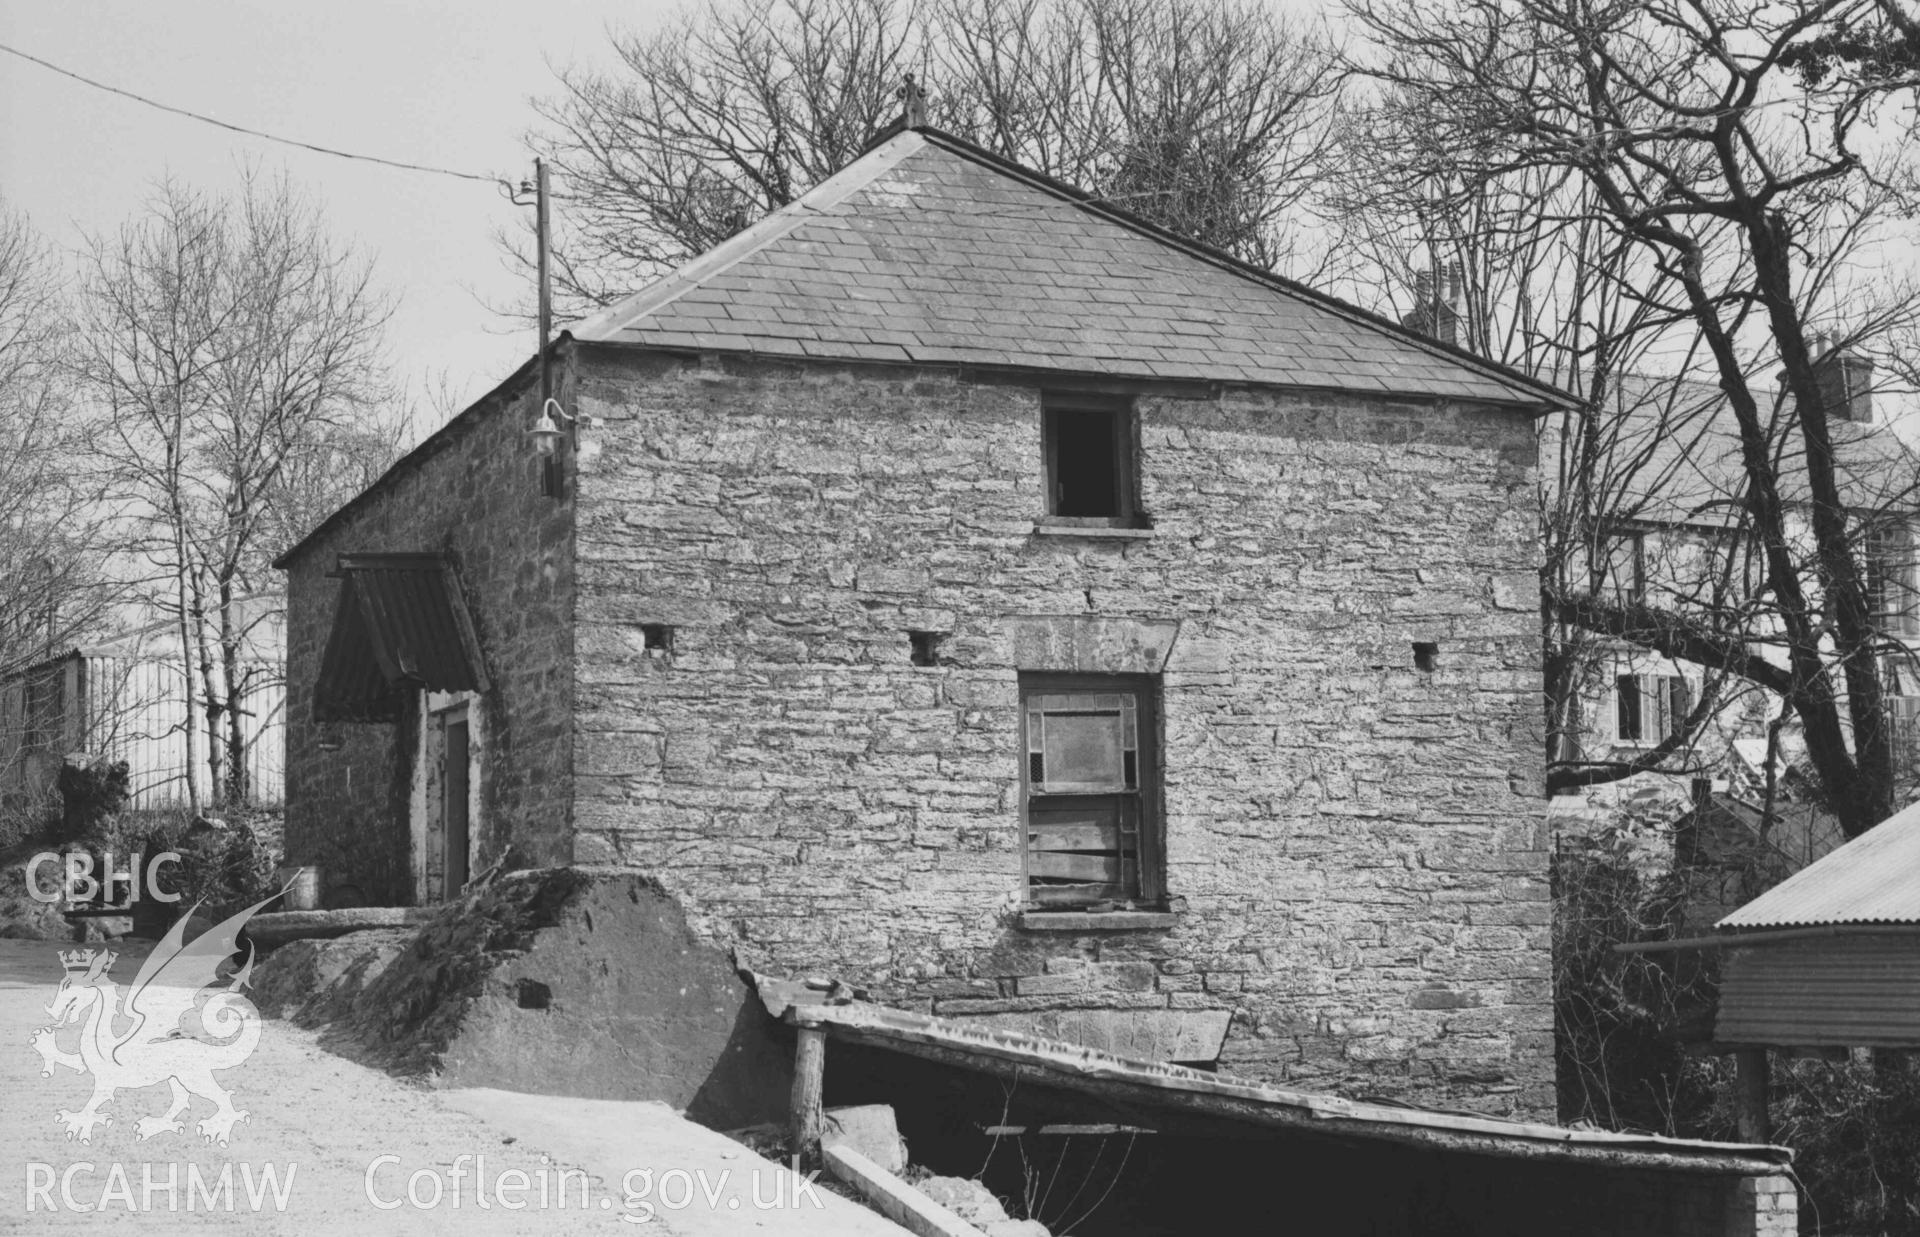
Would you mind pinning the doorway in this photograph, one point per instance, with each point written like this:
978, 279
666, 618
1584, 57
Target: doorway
455, 825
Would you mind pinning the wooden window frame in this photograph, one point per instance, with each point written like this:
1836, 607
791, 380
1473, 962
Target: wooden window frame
1148, 892
1663, 703
1126, 456
1627, 550
1890, 573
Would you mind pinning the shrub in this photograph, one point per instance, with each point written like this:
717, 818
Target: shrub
223, 868
1620, 1019
1855, 1130
1622, 1022
92, 796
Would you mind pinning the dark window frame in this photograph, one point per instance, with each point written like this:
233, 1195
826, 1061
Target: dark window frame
1148, 890
1124, 461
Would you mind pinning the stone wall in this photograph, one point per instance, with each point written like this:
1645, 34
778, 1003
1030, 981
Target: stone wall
473, 490
1356, 846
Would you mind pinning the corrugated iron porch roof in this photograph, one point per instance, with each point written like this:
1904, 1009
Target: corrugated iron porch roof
1874, 879
401, 623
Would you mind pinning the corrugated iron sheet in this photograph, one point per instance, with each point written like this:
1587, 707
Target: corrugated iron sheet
401, 624
1842, 991
1155, 1085
138, 711
1873, 879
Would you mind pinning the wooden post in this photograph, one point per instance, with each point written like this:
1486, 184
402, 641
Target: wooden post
809, 1079
1750, 1095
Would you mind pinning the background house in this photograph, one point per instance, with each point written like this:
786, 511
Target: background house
1672, 488
958, 587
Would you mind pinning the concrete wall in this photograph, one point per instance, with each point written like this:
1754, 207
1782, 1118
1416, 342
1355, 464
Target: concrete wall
473, 490
1358, 845
555, 982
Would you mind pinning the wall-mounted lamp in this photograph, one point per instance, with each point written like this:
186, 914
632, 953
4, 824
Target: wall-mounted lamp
546, 432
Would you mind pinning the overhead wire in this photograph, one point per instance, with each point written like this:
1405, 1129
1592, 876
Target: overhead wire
259, 133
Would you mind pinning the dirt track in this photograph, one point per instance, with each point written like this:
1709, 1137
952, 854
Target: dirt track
332, 1121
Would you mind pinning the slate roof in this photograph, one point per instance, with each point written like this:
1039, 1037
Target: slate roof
1673, 456
1873, 879
928, 250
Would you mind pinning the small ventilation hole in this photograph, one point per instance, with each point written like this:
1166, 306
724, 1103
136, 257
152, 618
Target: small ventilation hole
532, 994
926, 647
658, 637
1426, 656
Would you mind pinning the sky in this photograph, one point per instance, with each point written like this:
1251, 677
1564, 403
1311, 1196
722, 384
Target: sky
440, 82
446, 84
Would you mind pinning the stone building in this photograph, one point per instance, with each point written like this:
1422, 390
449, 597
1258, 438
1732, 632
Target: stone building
957, 587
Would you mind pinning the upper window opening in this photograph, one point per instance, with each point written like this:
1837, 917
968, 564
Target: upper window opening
1627, 567
1890, 578
1090, 459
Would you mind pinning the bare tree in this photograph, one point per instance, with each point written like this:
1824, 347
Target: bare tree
1206, 116
51, 587
235, 351
1209, 118
1737, 161
52, 548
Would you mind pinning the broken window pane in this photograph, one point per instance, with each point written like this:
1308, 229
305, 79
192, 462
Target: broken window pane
1082, 743
1086, 808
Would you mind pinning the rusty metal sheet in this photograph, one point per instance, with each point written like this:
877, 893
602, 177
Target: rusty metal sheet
1841, 991
401, 624
1873, 879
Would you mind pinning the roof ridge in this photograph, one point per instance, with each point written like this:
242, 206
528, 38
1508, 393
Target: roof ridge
1219, 257
643, 309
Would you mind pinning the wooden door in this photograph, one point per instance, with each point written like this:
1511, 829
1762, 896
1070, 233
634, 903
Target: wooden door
453, 800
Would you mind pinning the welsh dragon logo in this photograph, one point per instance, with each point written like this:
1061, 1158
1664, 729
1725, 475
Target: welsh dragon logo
168, 1029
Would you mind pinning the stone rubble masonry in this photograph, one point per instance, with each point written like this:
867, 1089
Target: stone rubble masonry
1360, 846
473, 490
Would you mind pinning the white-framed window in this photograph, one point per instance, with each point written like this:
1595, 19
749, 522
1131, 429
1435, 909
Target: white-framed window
1627, 567
1649, 708
1890, 576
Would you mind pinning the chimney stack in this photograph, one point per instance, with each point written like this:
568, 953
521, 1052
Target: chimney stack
1436, 308
1845, 379
913, 101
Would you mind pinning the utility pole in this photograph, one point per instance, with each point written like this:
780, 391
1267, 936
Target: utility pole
53, 601
546, 282
546, 431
